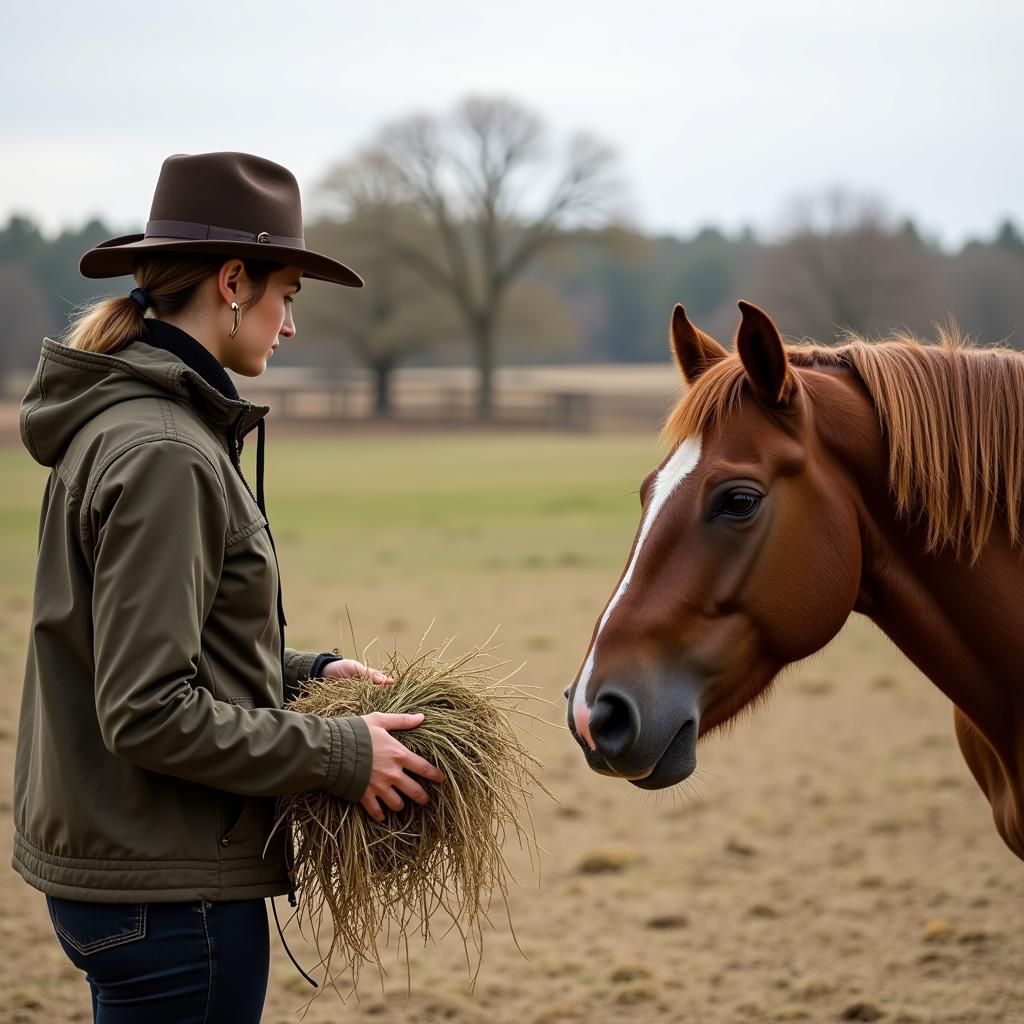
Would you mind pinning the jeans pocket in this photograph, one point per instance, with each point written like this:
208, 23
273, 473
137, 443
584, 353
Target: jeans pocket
91, 927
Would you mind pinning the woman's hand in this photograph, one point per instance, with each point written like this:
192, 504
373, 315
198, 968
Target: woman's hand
391, 763
346, 668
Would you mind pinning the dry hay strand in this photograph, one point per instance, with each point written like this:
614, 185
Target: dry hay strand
360, 880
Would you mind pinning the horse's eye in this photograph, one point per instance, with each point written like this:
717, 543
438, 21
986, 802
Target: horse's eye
738, 505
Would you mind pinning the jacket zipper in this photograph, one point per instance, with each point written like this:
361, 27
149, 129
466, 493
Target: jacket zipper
236, 450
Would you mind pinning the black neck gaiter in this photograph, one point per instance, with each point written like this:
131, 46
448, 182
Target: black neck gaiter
161, 334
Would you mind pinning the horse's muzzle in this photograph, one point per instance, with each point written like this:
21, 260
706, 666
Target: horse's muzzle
652, 743
679, 760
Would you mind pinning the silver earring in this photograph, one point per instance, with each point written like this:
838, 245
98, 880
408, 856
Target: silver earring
235, 310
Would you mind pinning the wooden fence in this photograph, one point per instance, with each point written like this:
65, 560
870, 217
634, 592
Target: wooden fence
557, 398
603, 398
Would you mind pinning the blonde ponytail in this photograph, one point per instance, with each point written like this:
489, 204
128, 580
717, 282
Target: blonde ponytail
106, 326
170, 282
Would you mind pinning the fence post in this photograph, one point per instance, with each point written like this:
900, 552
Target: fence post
570, 410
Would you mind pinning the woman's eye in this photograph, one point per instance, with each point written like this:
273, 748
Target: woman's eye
288, 298
738, 505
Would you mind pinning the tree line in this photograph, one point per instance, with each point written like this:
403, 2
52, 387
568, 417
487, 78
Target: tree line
481, 239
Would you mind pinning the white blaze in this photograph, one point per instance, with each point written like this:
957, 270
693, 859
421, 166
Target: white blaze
683, 462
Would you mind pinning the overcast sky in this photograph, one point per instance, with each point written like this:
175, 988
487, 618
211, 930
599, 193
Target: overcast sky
722, 111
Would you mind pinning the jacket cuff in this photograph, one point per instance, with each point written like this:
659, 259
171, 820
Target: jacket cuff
351, 758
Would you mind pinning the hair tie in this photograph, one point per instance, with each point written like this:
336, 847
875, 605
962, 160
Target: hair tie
141, 298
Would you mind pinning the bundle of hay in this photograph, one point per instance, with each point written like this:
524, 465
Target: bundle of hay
425, 866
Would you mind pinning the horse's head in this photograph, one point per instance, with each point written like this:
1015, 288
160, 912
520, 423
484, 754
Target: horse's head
747, 558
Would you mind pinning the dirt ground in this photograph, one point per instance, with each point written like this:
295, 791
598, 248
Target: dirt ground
832, 860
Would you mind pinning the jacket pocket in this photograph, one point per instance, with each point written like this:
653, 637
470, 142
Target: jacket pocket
239, 829
250, 831
91, 927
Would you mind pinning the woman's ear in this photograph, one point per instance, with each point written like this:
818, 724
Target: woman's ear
763, 355
694, 350
228, 279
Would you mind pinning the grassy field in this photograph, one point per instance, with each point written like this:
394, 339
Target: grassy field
831, 861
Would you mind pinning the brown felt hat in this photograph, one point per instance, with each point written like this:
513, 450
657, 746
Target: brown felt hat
224, 204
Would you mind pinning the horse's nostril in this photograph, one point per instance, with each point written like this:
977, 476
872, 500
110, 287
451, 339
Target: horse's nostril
565, 692
615, 725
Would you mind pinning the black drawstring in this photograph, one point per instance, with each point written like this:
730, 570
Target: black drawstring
280, 931
261, 502
261, 440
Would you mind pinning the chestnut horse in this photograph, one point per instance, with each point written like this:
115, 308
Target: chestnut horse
805, 483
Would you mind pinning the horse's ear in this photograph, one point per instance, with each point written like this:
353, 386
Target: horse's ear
763, 355
694, 350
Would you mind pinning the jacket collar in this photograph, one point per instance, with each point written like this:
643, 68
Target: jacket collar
71, 386
161, 334
197, 373
198, 358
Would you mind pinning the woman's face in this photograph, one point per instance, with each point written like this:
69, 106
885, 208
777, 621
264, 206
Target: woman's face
263, 323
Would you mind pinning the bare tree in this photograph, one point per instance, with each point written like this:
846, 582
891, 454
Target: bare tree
845, 265
394, 317
488, 202
986, 283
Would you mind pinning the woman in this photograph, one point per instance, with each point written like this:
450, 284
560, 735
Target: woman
152, 740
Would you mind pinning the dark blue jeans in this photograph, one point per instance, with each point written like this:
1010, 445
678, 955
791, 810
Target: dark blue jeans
168, 963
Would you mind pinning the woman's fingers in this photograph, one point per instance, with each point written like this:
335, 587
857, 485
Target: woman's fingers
412, 789
373, 674
391, 798
420, 766
396, 723
375, 797
349, 668
372, 807
394, 766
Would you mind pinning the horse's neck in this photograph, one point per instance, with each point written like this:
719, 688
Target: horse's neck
959, 623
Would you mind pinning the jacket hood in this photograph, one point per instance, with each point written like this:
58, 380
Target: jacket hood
71, 386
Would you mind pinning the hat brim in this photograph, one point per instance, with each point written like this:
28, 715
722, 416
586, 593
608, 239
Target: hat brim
116, 257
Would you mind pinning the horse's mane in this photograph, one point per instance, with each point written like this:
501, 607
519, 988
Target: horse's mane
951, 413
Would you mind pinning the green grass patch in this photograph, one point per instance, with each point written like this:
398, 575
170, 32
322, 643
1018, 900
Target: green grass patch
516, 509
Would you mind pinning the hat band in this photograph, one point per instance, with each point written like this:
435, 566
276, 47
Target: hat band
202, 232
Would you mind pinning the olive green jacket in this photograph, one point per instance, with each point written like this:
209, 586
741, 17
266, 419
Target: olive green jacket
152, 738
